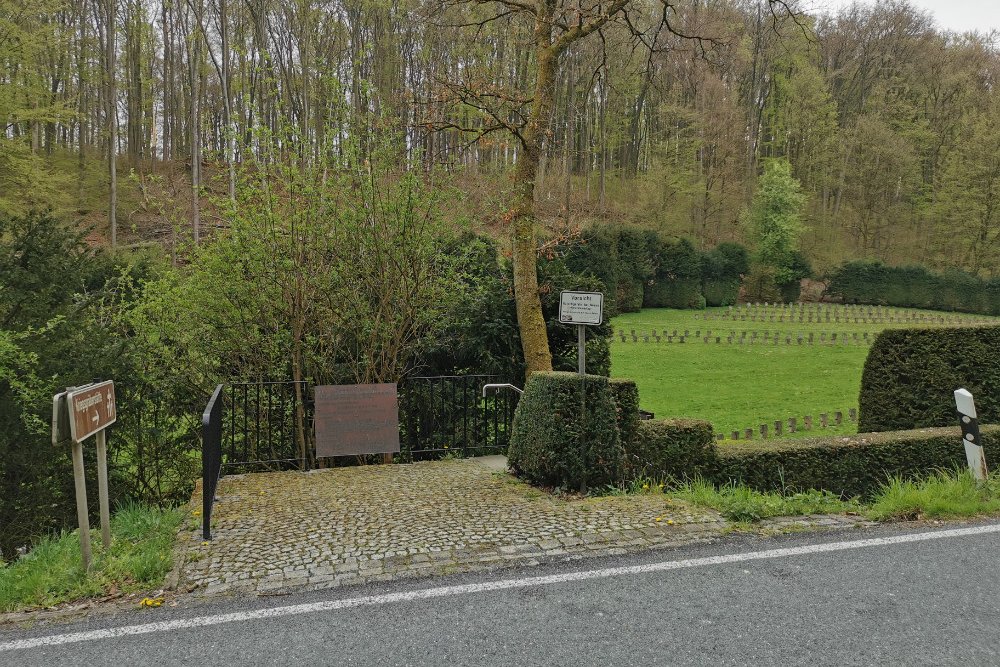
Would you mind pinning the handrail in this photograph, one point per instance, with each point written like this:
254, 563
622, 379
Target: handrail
502, 385
211, 457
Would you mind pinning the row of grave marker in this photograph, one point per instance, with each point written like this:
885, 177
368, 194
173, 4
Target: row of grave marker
809, 318
765, 338
764, 430
822, 306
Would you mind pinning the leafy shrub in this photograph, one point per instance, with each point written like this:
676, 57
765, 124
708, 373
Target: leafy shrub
565, 432
676, 449
849, 466
910, 377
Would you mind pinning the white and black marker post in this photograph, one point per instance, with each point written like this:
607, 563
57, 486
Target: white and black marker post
969, 422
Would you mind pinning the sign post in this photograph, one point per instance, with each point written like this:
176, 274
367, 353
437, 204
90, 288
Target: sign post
969, 422
584, 309
77, 414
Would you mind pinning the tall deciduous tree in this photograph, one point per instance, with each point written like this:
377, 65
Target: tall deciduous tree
774, 221
555, 27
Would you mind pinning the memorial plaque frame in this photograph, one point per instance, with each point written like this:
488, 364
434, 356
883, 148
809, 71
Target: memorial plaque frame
356, 419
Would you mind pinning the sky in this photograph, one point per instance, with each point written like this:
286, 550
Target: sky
957, 15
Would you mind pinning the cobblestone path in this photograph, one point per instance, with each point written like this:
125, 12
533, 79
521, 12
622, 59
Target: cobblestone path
325, 528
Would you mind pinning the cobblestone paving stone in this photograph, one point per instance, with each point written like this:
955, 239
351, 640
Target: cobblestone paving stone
275, 532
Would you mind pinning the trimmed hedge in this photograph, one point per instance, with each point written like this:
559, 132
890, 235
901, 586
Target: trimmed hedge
914, 287
850, 466
910, 377
625, 395
551, 445
670, 449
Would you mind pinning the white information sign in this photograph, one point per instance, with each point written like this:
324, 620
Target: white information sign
581, 308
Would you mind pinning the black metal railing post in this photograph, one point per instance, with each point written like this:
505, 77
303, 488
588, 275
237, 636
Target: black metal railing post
211, 457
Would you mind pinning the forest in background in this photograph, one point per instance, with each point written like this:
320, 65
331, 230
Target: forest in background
136, 116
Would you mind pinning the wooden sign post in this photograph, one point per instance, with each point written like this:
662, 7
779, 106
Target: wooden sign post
77, 414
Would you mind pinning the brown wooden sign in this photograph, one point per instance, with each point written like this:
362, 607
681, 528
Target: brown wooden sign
356, 419
91, 409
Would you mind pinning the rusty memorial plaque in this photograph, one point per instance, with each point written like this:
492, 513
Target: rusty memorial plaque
91, 409
356, 419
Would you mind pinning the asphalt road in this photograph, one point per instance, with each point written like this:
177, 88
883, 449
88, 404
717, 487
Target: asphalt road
817, 599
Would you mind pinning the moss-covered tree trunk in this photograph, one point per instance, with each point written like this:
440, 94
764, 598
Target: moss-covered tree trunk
534, 339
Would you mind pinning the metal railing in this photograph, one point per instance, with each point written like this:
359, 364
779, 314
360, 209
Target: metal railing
211, 457
268, 426
448, 414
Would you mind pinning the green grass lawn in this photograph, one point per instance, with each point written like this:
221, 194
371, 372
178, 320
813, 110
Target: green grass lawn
742, 386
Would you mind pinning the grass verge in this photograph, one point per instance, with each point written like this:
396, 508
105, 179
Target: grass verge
945, 495
743, 504
52, 572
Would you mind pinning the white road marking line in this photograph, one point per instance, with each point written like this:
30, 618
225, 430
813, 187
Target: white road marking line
499, 585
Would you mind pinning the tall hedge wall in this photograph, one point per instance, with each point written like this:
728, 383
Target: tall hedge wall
641, 268
873, 282
910, 377
723, 268
677, 276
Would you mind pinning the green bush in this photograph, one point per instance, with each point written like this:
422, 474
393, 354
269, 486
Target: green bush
677, 449
565, 432
849, 466
790, 292
910, 377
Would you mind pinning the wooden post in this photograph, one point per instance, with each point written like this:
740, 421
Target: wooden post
777, 428
81, 503
102, 487
791, 424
